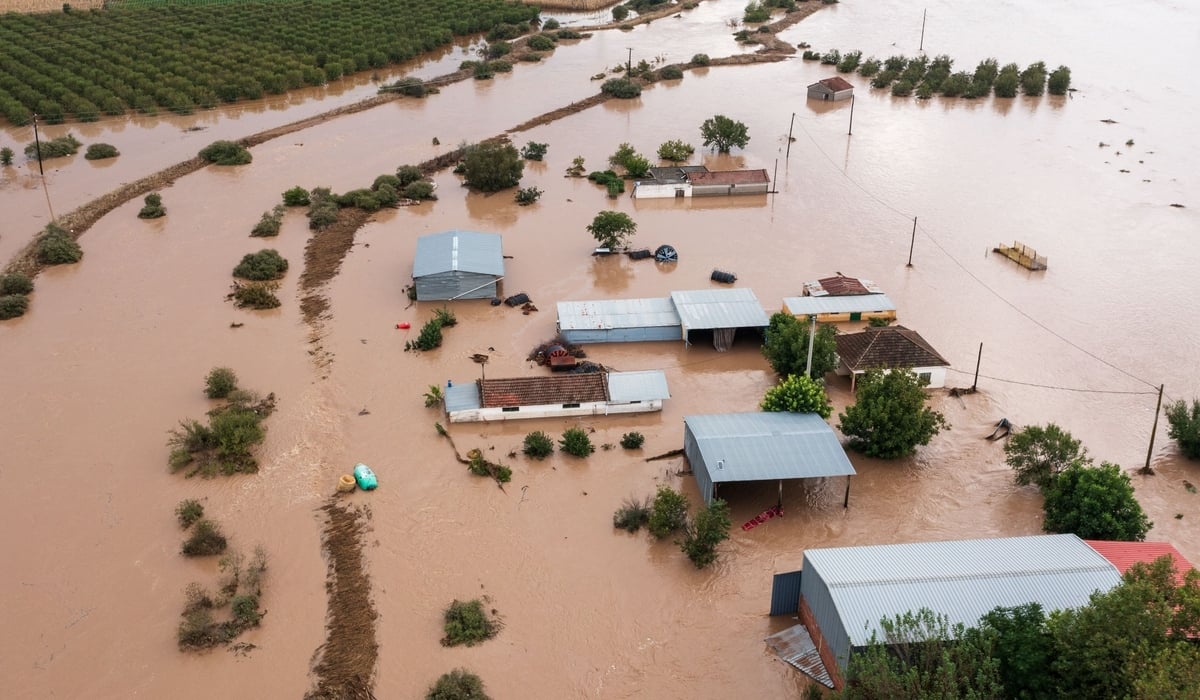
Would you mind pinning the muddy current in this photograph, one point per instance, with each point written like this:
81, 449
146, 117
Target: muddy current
114, 351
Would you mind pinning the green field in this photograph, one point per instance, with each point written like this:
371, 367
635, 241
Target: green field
148, 55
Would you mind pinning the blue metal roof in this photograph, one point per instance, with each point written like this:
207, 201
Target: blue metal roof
961, 579
650, 385
459, 251
462, 397
719, 308
616, 313
856, 304
763, 446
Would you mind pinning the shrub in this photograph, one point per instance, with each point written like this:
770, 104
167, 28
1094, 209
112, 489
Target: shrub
266, 264
1038, 454
620, 12
701, 59
502, 66
154, 208
410, 86
889, 417
188, 512
206, 540
256, 295
797, 393
668, 512
527, 195
637, 166
504, 31
420, 190
756, 12
57, 247
869, 67
575, 442
6, 156
902, 88
197, 629
1033, 79
491, 167
430, 336
622, 88
531, 57
220, 383
569, 34
541, 42
632, 514
632, 441
468, 623
13, 305
1095, 503
622, 155
434, 397
831, 58
538, 445
483, 71
100, 151
407, 174
387, 195
458, 684
245, 610
577, 168
708, 528
550, 24
675, 151
1060, 81
849, 62
392, 180
296, 197
54, 148
1185, 426
534, 150
269, 224
226, 153
15, 283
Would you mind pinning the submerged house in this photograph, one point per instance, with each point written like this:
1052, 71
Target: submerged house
458, 265
699, 181
722, 311
840, 286
889, 347
832, 309
831, 89
557, 395
842, 594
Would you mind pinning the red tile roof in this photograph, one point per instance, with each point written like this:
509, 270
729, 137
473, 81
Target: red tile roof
537, 391
836, 84
842, 286
1124, 555
887, 347
730, 177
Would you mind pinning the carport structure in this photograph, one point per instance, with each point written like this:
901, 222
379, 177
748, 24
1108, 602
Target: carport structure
729, 447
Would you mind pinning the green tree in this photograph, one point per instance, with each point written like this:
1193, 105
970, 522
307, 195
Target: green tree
1095, 503
1039, 453
889, 417
459, 684
622, 155
15, 283
621, 88
668, 512
708, 528
220, 383
58, 247
1024, 649
612, 229
6, 156
1185, 427
786, 346
575, 442
538, 445
490, 167
1060, 81
675, 151
723, 133
797, 393
226, 153
1173, 672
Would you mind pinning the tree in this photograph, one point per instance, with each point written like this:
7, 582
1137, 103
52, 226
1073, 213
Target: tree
889, 417
797, 393
1095, 503
220, 383
622, 155
490, 167
722, 132
6, 156
675, 151
708, 528
1185, 427
226, 153
1039, 453
1024, 649
621, 88
668, 513
786, 346
612, 229
1060, 81
459, 684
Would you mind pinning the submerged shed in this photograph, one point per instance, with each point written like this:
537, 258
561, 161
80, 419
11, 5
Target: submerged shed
832, 89
830, 309
619, 320
458, 265
723, 311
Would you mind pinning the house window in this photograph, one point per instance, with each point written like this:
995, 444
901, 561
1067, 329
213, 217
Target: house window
925, 378
511, 409
570, 405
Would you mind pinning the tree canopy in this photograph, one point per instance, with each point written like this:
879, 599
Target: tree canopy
1185, 427
1039, 453
797, 393
492, 166
612, 229
1095, 503
889, 417
786, 346
723, 133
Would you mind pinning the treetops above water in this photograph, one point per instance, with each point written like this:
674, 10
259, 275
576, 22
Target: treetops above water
926, 76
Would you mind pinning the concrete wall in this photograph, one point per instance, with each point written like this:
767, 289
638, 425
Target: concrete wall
595, 408
644, 190
726, 190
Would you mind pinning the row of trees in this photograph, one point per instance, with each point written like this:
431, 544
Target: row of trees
927, 77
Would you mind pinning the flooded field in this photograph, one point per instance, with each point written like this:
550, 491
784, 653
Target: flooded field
114, 351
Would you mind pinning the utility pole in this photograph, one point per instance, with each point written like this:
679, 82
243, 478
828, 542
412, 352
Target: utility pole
978, 359
629, 63
789, 146
38, 145
1150, 451
775, 178
912, 242
812, 333
851, 129
922, 46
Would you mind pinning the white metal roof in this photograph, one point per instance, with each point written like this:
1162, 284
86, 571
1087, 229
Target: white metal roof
462, 251
856, 304
649, 385
720, 308
961, 579
462, 397
616, 313
764, 446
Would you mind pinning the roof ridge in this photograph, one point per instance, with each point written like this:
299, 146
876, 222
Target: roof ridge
857, 583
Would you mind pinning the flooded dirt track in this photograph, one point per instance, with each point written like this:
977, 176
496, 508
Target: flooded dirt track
114, 351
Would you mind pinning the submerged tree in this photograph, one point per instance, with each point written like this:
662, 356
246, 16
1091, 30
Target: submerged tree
1038, 454
723, 133
492, 166
786, 346
1185, 427
889, 417
1095, 503
612, 229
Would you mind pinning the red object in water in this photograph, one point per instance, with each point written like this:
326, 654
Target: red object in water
762, 518
403, 326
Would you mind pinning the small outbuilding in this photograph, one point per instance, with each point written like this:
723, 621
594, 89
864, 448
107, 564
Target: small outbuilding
699, 181
831, 89
889, 347
723, 311
831, 309
458, 265
556, 396
730, 447
840, 286
619, 321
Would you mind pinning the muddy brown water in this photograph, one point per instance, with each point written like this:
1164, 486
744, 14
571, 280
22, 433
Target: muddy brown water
114, 351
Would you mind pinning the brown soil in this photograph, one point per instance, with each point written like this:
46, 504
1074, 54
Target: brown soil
346, 667
323, 258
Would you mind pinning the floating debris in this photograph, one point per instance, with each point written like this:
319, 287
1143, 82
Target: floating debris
1022, 255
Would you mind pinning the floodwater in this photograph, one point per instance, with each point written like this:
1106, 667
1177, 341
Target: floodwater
114, 351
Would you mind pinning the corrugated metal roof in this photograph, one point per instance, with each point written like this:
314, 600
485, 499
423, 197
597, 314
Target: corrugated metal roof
719, 308
961, 579
863, 303
647, 385
1124, 555
462, 397
466, 251
762, 446
616, 313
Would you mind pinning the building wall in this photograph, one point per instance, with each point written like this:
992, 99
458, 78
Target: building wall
623, 335
823, 618
856, 316
937, 375
823, 648
452, 283
715, 190
824, 93
696, 461
644, 190
595, 408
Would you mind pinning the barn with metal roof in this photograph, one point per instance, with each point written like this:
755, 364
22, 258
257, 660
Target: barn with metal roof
458, 265
831, 309
844, 592
731, 447
723, 311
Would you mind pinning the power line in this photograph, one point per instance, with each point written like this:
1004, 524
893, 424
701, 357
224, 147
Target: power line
1055, 388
